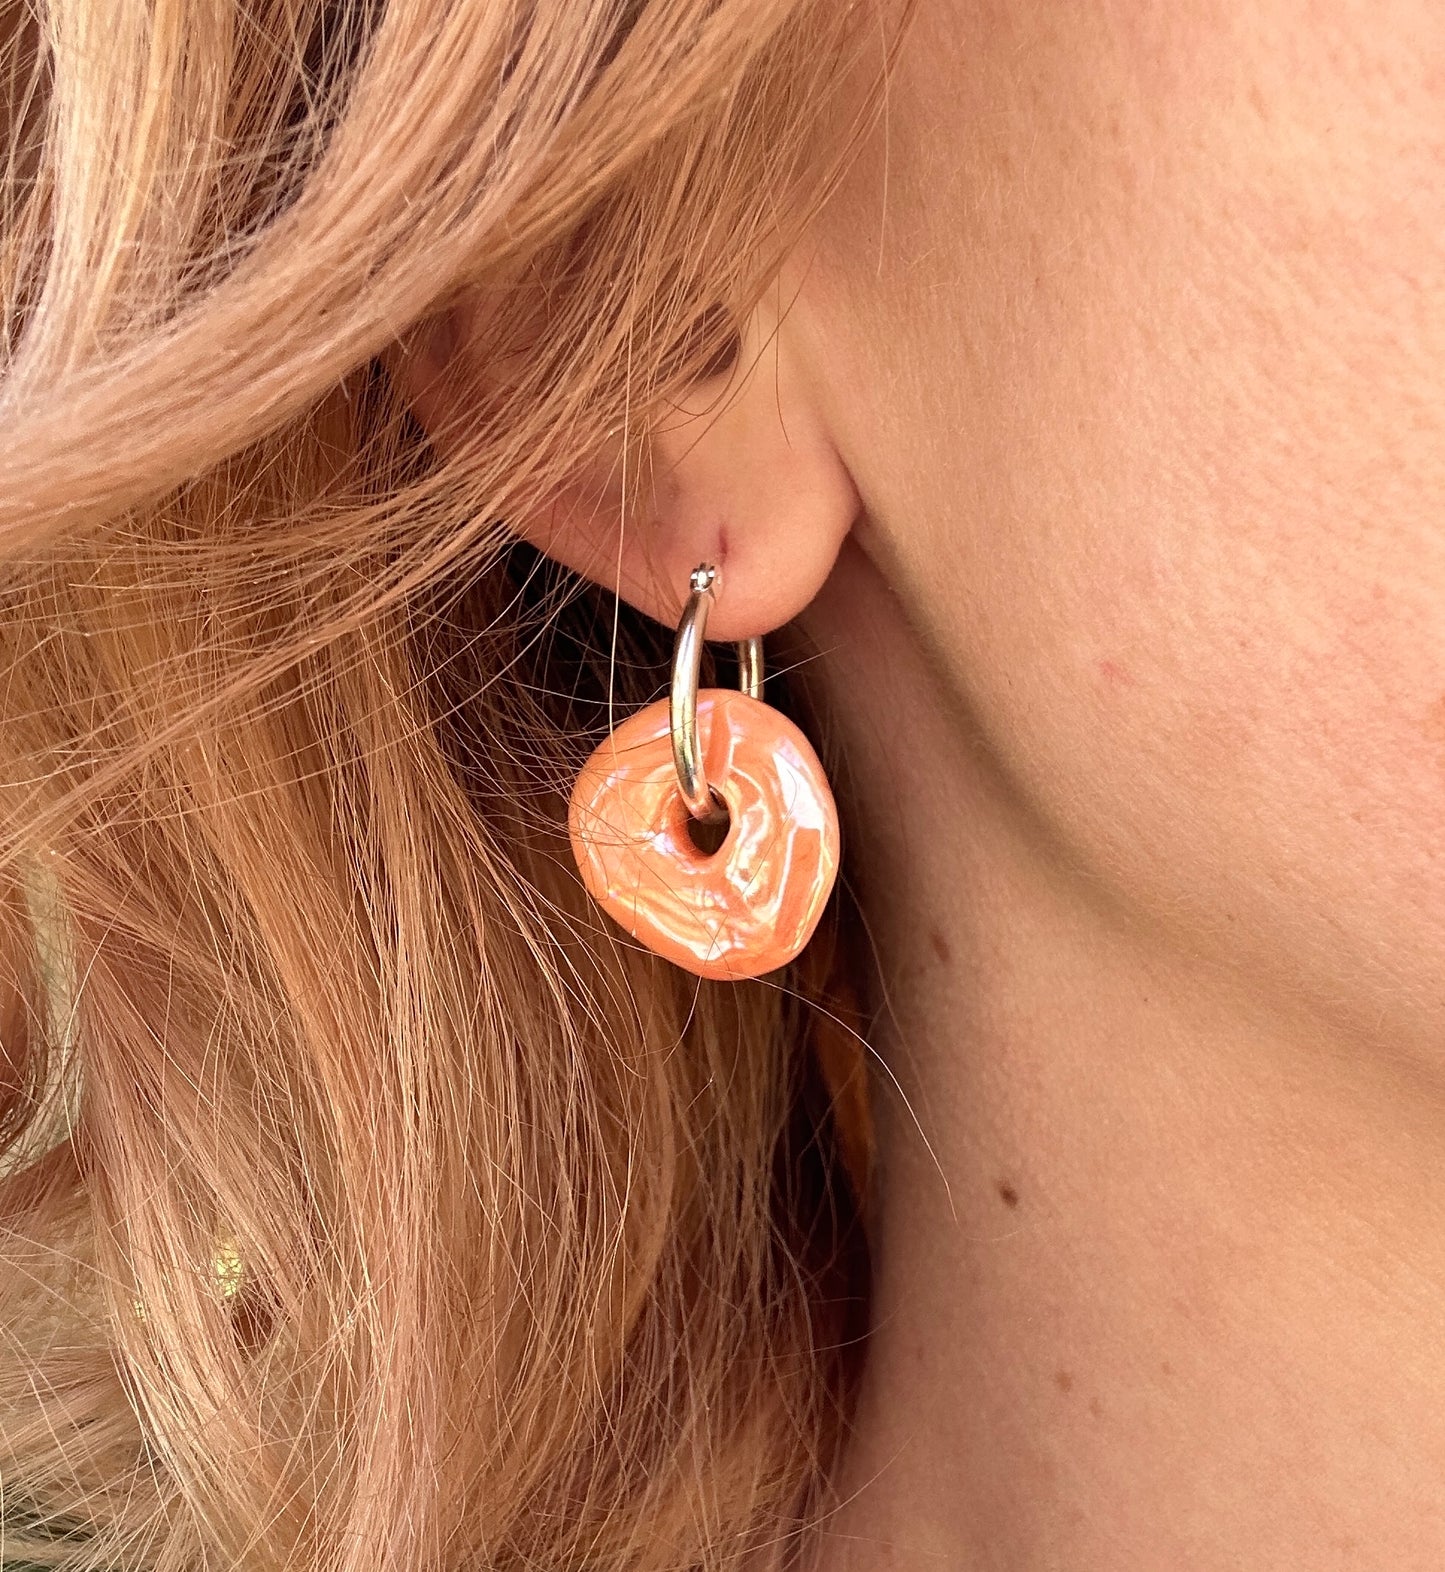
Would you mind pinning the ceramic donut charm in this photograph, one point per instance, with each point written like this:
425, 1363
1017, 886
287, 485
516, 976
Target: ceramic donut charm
750, 906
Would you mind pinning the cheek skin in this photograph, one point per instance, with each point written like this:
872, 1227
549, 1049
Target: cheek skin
1138, 368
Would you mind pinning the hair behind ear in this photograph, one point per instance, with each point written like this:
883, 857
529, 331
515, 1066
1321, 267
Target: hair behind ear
539, 1237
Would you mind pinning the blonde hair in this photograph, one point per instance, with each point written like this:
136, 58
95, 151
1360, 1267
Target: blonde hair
365, 1202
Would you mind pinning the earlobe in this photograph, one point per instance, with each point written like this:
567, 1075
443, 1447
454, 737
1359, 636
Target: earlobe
739, 471
756, 485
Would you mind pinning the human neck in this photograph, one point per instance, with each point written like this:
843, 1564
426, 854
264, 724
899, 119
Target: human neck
1159, 1270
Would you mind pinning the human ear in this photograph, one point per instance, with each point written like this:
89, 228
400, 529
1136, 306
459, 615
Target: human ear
737, 470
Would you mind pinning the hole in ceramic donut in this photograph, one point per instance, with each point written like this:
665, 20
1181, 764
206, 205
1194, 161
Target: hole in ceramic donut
708, 838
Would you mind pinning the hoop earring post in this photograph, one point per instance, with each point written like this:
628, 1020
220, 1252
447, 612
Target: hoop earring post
702, 802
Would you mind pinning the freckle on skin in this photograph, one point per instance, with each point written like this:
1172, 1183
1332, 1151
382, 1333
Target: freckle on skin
1064, 1380
1166, 1368
940, 946
1007, 1194
1096, 1408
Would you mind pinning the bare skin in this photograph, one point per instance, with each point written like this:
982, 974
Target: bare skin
1139, 650
1109, 413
